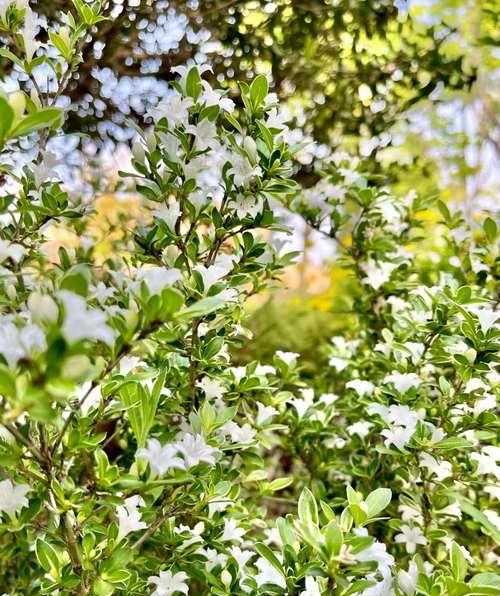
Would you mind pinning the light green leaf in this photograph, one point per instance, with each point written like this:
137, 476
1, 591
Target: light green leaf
377, 501
42, 118
6, 118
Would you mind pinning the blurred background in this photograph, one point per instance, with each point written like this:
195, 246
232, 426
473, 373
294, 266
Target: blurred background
409, 88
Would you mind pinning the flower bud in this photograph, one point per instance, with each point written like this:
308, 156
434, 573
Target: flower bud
17, 102
138, 150
251, 148
470, 354
76, 368
226, 578
10, 290
42, 308
151, 142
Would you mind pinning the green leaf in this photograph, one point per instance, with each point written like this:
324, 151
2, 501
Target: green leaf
467, 507
171, 301
458, 562
201, 308
486, 580
333, 538
267, 553
6, 118
307, 508
77, 280
44, 117
490, 229
453, 443
377, 501
258, 90
193, 83
47, 557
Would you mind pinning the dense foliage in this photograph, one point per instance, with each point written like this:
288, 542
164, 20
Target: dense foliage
137, 458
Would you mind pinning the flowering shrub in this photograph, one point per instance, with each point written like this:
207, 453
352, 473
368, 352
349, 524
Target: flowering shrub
136, 459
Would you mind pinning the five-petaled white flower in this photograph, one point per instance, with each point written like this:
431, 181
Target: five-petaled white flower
81, 322
212, 388
361, 387
403, 382
161, 458
289, 358
13, 496
268, 574
129, 518
195, 450
264, 413
377, 272
168, 583
411, 537
17, 343
312, 587
157, 278
232, 531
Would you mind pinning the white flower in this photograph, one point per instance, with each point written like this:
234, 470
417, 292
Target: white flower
16, 343
402, 416
276, 119
451, 510
493, 517
213, 557
211, 387
411, 537
397, 436
81, 322
239, 434
407, 580
195, 534
375, 552
232, 531
289, 358
377, 273
211, 275
212, 98
42, 308
169, 214
205, 134
129, 363
243, 170
487, 317
360, 428
102, 292
264, 413
218, 504
302, 405
411, 513
403, 381
13, 496
28, 32
91, 394
10, 250
196, 450
312, 587
486, 462
361, 387
158, 278
129, 518
168, 584
174, 108
241, 556
268, 574
488, 402
339, 364
161, 458
441, 469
